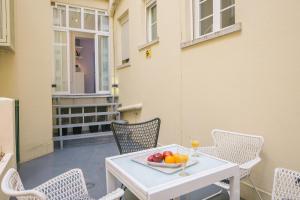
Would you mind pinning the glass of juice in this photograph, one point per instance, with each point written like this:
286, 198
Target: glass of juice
184, 158
195, 145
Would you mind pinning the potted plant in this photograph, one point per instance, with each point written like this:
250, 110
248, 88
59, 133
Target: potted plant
78, 129
93, 128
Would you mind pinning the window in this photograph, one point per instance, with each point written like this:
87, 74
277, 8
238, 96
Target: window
103, 68
68, 19
74, 17
89, 19
151, 21
103, 22
124, 22
227, 13
59, 16
60, 61
212, 15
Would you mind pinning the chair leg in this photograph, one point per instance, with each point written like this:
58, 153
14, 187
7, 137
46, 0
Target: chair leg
257, 192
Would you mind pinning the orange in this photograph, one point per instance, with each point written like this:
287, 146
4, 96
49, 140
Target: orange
176, 157
184, 158
181, 158
169, 159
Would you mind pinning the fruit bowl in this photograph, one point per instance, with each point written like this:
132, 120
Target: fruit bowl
163, 164
165, 159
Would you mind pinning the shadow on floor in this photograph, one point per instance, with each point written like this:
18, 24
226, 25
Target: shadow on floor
88, 156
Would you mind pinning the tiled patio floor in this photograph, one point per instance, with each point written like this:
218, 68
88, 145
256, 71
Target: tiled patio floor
88, 156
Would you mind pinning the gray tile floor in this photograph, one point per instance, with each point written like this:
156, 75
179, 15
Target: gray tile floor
88, 156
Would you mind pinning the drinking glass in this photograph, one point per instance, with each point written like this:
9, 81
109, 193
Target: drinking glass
195, 145
184, 158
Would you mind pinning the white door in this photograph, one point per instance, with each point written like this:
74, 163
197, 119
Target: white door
61, 83
3, 16
102, 64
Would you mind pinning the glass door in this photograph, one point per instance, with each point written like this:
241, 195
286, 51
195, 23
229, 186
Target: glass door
61, 62
102, 64
2, 22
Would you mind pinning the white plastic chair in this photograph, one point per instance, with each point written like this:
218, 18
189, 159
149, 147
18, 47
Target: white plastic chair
286, 185
238, 148
68, 186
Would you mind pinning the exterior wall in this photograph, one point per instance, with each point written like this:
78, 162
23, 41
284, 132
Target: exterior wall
153, 82
7, 137
99, 4
245, 81
27, 73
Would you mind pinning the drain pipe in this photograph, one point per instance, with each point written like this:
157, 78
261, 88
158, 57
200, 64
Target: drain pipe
114, 84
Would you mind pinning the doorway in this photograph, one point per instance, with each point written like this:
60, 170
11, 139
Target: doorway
83, 63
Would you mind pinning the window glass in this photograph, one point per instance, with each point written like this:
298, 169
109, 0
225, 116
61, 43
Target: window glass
74, 17
152, 22
59, 16
228, 17
226, 3
154, 31
89, 19
206, 8
60, 61
153, 14
103, 23
125, 42
206, 26
103, 63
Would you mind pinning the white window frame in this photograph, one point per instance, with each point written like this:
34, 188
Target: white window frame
216, 15
4, 22
149, 24
68, 62
97, 32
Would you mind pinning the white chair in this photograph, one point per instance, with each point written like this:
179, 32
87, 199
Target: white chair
238, 148
286, 185
68, 186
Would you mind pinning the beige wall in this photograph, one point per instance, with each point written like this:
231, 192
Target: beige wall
246, 81
7, 137
150, 81
26, 75
7, 125
99, 4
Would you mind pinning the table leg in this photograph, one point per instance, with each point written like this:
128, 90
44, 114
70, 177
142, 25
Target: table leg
111, 182
235, 187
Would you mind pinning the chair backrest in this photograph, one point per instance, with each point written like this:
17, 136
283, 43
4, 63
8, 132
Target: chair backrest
12, 186
237, 147
286, 185
136, 137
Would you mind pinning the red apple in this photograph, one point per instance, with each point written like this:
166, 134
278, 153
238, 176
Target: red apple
167, 153
150, 158
158, 157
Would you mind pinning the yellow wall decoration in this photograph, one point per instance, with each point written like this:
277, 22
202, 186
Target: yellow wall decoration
148, 53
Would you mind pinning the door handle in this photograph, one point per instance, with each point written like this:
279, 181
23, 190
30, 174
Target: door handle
53, 85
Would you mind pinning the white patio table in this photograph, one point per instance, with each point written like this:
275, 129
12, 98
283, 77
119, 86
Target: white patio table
149, 184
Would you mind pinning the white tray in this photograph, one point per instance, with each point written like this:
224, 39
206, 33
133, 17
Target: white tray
165, 168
